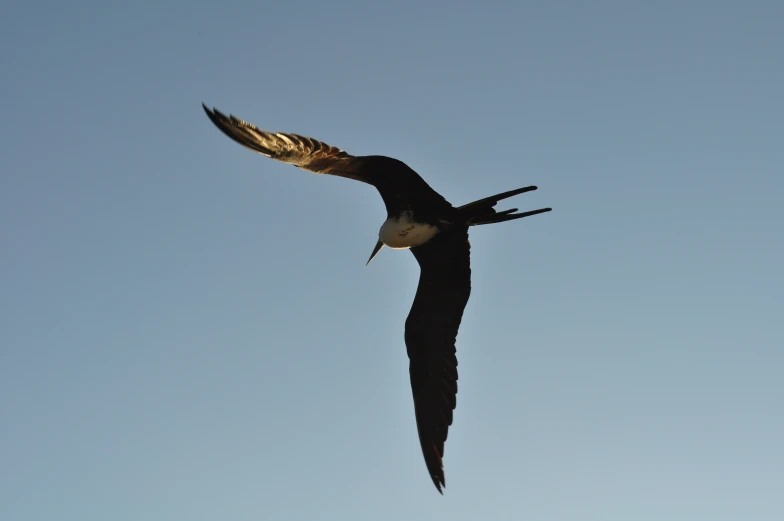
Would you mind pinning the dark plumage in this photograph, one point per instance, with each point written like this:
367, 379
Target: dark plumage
437, 234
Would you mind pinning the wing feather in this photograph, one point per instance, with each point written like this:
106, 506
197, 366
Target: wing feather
303, 152
431, 331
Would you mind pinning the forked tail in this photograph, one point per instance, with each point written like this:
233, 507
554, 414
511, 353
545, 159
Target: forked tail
483, 211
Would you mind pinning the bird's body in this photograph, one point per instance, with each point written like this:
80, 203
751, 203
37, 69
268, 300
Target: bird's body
420, 219
403, 231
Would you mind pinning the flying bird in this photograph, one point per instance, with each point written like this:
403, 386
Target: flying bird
419, 219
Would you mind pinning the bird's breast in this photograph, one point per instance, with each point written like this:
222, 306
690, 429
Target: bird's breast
404, 232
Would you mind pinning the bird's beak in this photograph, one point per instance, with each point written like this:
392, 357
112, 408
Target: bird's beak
377, 249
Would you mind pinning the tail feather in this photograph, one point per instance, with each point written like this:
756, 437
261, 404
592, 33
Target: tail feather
493, 199
498, 218
483, 211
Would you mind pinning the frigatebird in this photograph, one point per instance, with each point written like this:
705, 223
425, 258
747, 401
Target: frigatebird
419, 219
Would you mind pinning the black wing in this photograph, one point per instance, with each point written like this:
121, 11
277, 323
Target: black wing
431, 330
304, 152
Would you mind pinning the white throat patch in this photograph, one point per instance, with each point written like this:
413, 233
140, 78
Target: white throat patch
402, 232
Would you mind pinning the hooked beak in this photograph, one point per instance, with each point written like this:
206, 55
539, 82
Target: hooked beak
377, 249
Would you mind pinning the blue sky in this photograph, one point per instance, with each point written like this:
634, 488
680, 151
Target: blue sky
188, 330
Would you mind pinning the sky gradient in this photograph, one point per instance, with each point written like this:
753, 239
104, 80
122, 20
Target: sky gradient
188, 330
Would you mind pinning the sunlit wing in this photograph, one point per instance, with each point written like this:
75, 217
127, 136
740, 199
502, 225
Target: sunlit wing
303, 152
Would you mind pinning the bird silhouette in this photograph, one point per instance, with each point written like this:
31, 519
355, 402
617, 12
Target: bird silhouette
419, 219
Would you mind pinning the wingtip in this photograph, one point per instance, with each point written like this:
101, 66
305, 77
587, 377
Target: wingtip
436, 469
212, 113
220, 119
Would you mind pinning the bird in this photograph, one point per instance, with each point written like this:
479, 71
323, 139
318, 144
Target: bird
418, 219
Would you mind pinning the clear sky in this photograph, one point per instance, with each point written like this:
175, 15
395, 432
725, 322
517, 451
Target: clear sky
188, 330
